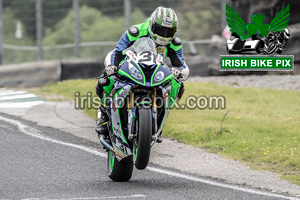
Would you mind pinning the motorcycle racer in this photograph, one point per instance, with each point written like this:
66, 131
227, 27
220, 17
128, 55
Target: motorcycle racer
161, 27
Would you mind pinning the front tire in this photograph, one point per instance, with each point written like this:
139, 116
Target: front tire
144, 137
119, 171
271, 48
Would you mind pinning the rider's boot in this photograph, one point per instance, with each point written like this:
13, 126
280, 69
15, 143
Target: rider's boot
159, 138
102, 118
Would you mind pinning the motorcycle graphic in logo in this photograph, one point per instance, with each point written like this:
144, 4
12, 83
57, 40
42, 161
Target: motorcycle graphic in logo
265, 38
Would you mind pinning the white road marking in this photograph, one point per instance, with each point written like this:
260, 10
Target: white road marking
223, 185
19, 96
35, 133
11, 92
27, 104
17, 102
95, 198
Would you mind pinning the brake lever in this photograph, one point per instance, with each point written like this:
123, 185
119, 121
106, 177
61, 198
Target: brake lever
110, 75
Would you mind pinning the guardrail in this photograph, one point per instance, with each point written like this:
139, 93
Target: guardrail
60, 46
191, 45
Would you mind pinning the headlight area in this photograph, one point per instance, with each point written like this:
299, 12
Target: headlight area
135, 72
159, 76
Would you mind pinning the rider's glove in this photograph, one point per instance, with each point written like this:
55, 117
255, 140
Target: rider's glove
111, 69
176, 72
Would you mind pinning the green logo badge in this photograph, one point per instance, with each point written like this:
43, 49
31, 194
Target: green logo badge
261, 37
257, 37
238, 26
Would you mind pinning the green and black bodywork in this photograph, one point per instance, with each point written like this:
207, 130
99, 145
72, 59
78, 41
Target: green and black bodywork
138, 100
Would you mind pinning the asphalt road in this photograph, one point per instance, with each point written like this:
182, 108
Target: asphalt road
43, 163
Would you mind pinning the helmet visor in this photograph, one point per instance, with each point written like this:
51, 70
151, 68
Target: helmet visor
163, 31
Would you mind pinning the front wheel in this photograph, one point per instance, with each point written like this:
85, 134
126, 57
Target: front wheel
271, 48
142, 145
119, 171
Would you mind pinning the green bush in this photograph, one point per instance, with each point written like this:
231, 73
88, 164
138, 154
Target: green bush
94, 27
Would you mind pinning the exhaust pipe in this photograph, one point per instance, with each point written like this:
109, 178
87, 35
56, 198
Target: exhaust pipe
105, 144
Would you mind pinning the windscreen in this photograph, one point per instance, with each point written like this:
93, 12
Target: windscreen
144, 44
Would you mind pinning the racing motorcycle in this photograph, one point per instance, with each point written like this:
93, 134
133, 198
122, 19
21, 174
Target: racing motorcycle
276, 41
144, 90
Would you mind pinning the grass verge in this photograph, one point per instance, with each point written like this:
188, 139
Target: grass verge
261, 127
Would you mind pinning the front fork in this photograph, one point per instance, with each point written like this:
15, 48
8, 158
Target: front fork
154, 113
132, 115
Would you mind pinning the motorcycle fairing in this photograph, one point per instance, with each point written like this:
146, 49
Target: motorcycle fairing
148, 83
174, 92
125, 72
167, 75
118, 138
165, 92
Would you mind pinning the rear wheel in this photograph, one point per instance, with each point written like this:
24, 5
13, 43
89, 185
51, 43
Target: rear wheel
119, 171
142, 144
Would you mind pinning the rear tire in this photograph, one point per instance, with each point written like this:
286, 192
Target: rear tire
119, 171
144, 138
